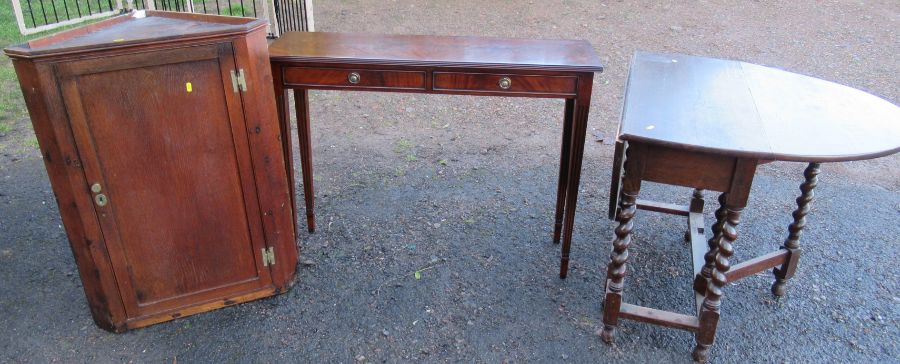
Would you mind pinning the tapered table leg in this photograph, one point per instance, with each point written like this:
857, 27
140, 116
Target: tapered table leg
579, 129
565, 150
284, 125
301, 101
795, 230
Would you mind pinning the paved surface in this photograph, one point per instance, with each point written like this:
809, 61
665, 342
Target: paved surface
461, 189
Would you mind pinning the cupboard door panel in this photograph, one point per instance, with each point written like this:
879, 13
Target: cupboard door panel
167, 144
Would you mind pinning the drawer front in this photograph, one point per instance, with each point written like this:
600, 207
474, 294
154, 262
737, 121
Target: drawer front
350, 78
489, 82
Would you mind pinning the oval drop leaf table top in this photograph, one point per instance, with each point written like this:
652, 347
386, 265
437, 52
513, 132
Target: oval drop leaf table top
742, 109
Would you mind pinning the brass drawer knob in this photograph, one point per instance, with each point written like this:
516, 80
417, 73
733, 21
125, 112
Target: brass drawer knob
353, 78
505, 83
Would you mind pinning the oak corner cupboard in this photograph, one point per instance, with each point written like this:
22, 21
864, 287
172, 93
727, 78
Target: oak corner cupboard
162, 144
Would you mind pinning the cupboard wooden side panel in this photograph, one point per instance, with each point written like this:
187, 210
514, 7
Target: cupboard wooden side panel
265, 137
64, 169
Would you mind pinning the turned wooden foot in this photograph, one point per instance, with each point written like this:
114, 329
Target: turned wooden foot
795, 230
608, 334
701, 353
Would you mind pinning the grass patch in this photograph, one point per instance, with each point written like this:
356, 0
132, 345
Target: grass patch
12, 105
402, 146
235, 10
32, 142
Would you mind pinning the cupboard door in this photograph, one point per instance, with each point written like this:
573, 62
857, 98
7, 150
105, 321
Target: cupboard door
166, 161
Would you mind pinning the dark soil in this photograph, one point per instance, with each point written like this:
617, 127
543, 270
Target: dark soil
461, 189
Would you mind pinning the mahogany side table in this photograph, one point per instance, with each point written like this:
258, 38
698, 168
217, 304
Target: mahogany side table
707, 124
477, 66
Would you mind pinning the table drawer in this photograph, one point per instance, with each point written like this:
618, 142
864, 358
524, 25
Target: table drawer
351, 78
490, 82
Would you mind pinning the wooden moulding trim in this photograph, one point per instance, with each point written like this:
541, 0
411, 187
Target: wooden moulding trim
199, 308
758, 264
15, 53
24, 50
666, 208
293, 60
659, 317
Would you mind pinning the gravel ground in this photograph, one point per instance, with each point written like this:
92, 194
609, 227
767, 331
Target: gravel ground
461, 189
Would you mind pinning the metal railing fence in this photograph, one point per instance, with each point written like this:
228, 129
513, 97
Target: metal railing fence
35, 16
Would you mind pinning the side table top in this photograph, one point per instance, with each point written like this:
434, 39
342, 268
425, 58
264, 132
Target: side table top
741, 109
436, 51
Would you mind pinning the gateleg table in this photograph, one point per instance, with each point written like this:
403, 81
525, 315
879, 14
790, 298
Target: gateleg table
440, 65
707, 124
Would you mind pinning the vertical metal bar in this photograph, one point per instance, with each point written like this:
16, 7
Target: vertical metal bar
279, 20
293, 15
286, 5
43, 11
31, 12
295, 9
255, 15
218, 8
204, 7
285, 19
88, 4
53, 6
281, 13
229, 7
242, 8
309, 18
78, 8
301, 16
66, 8
296, 15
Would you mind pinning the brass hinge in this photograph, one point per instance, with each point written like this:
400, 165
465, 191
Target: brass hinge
268, 256
238, 82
